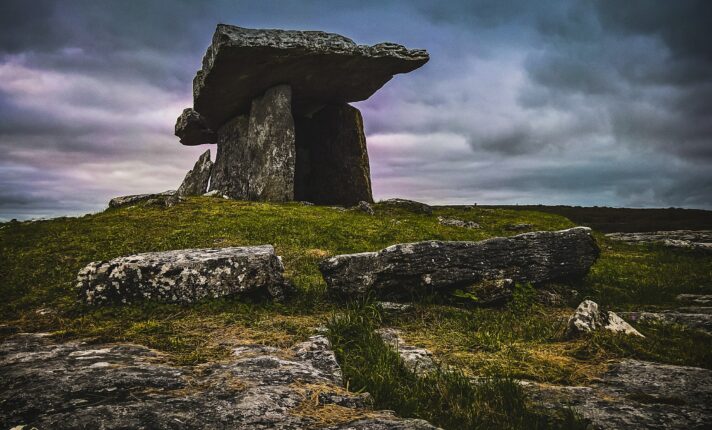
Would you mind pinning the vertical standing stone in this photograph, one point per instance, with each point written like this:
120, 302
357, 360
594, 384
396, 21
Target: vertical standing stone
231, 163
271, 147
196, 180
332, 159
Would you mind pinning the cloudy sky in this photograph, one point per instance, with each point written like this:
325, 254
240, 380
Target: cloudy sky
553, 102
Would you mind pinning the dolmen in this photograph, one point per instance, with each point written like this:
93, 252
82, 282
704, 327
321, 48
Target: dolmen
441, 266
276, 104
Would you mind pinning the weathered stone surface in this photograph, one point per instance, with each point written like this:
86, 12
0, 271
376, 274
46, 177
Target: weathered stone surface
321, 68
196, 180
634, 395
270, 147
183, 276
695, 299
685, 239
400, 269
409, 205
365, 207
232, 163
192, 129
76, 385
453, 222
519, 227
588, 317
118, 202
695, 318
419, 360
332, 160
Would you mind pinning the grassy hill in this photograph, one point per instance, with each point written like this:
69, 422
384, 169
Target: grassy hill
40, 260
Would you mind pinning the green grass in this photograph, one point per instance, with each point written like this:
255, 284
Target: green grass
39, 262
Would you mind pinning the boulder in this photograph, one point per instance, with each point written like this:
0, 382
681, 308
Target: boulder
196, 180
332, 159
454, 222
161, 198
404, 268
409, 205
183, 276
270, 147
192, 129
321, 68
77, 385
588, 317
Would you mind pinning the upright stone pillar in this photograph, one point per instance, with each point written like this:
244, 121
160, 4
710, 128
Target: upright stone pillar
332, 159
271, 147
230, 171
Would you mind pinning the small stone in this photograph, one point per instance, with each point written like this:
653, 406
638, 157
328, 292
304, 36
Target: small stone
453, 222
365, 207
418, 360
588, 317
409, 205
519, 227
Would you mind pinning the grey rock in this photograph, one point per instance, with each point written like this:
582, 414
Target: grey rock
519, 227
400, 269
635, 395
196, 180
230, 175
454, 222
332, 159
418, 360
684, 239
76, 385
394, 307
119, 202
192, 129
321, 68
409, 205
588, 317
695, 318
183, 276
695, 299
271, 148
365, 207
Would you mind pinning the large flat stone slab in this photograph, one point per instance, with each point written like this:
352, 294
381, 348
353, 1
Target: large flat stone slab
321, 68
683, 239
183, 276
404, 268
76, 385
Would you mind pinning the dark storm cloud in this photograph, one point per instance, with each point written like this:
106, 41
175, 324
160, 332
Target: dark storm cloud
586, 102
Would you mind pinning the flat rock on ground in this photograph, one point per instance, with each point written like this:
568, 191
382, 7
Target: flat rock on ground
404, 268
321, 68
417, 359
183, 276
409, 205
159, 198
76, 385
699, 318
686, 239
638, 395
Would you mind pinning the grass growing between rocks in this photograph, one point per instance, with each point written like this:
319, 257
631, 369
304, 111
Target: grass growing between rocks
39, 262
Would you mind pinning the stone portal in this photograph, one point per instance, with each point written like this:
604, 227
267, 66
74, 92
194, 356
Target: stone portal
276, 104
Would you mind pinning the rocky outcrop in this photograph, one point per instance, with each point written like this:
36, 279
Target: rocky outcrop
196, 180
192, 129
454, 222
332, 159
76, 385
635, 395
409, 205
684, 239
183, 276
321, 68
276, 103
165, 198
270, 147
404, 268
588, 317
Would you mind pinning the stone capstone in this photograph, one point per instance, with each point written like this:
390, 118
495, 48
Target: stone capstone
404, 268
183, 276
196, 180
192, 129
75, 385
588, 317
321, 68
332, 159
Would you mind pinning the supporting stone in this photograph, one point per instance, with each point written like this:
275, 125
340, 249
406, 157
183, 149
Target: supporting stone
230, 171
271, 146
332, 159
196, 180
